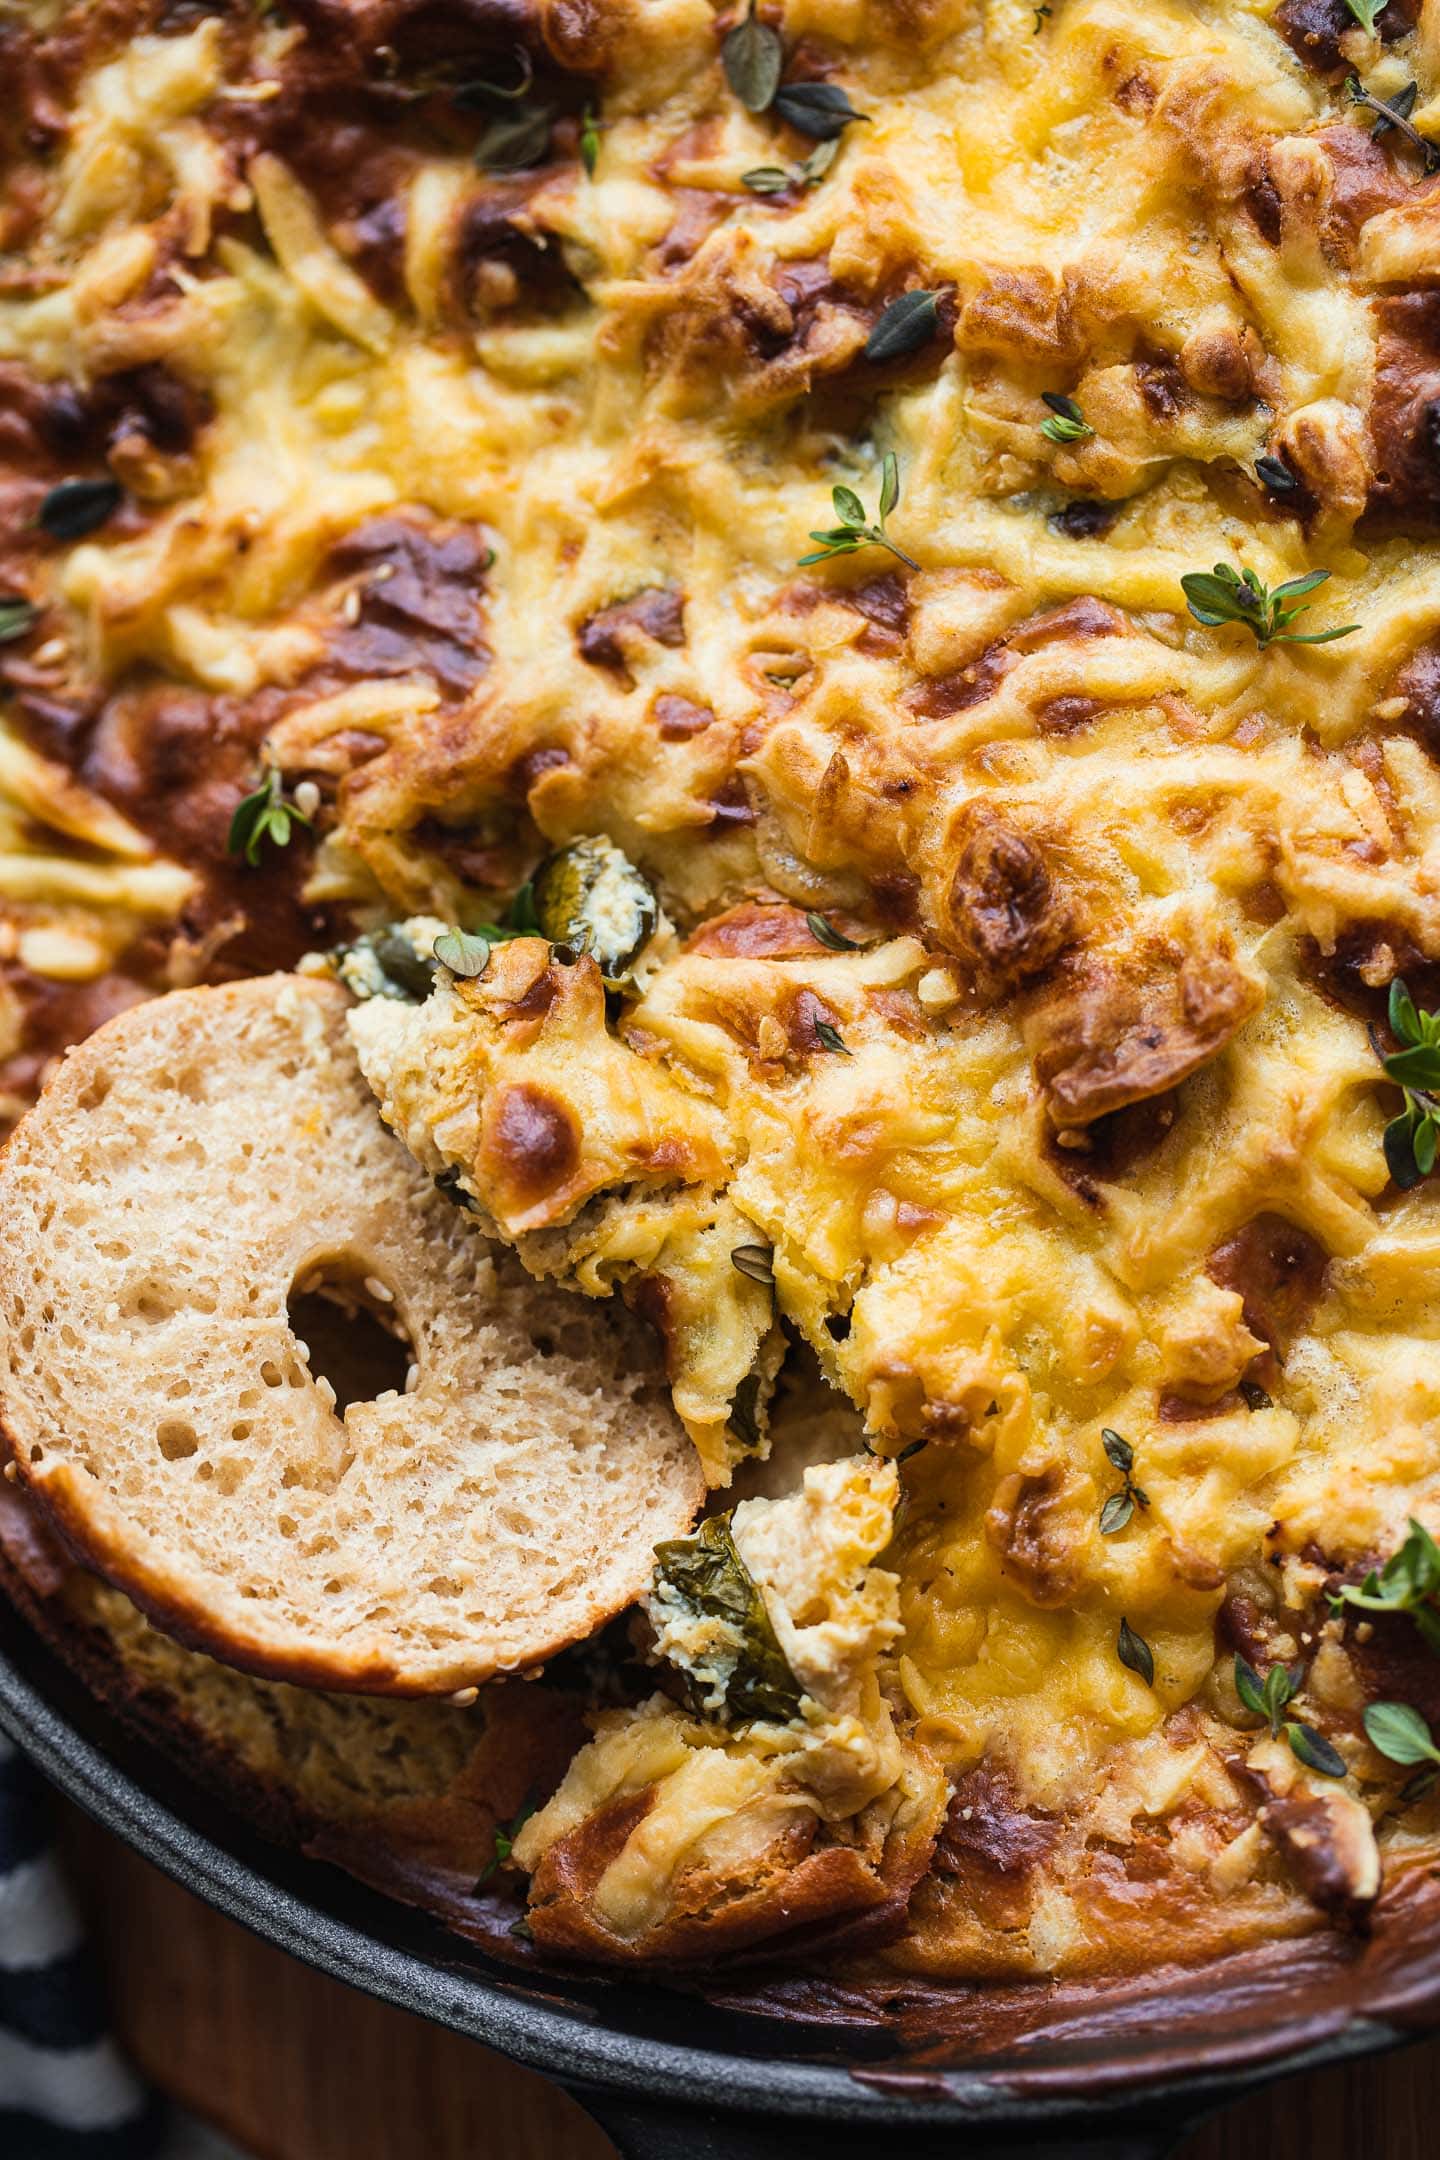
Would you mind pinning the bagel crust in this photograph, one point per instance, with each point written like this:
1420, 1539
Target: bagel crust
193, 1164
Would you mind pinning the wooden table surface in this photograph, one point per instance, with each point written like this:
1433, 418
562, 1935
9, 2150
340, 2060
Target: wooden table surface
293, 2066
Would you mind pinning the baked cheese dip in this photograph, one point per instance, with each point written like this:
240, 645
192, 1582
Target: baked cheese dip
829, 614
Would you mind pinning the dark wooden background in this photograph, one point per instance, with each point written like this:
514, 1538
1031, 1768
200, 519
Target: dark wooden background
296, 2067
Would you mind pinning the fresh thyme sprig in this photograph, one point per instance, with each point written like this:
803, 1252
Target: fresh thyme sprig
1121, 1505
1402, 1736
1412, 1140
1409, 1583
267, 813
1225, 594
779, 179
1395, 113
853, 531
1270, 1698
1066, 424
505, 1836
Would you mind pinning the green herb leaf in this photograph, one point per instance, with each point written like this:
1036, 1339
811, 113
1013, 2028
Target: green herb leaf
1274, 474
17, 618
1365, 12
1250, 1688
906, 325
1041, 14
1229, 595
1412, 1140
1121, 1506
830, 1038
589, 141
505, 1836
1134, 1652
1118, 1451
265, 814
1116, 1513
1255, 1395
76, 507
819, 109
744, 1418
1400, 1733
515, 141
1067, 424
766, 180
1314, 1750
707, 1573
464, 954
752, 56
814, 168
755, 1261
852, 532
826, 934
1409, 1583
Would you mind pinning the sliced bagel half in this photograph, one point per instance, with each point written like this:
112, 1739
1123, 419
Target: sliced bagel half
202, 1190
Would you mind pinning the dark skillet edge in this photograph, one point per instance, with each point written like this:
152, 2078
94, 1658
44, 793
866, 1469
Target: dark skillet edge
630, 2075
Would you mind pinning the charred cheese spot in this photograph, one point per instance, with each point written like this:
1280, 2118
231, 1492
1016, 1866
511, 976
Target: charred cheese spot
530, 1146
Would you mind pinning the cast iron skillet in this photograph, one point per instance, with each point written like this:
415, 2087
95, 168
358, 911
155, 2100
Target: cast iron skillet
1123, 2070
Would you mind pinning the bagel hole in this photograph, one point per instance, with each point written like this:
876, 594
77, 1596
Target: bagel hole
348, 1321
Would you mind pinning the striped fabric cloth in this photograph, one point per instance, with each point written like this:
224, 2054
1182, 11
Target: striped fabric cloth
65, 2091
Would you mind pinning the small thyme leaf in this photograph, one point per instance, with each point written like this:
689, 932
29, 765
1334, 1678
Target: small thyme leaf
464, 954
756, 1261
267, 813
1120, 1507
819, 109
1116, 1513
515, 141
752, 56
1067, 424
17, 617
1133, 1651
830, 1038
1118, 1451
1314, 1750
1365, 12
1400, 1734
1041, 13
1395, 113
1229, 595
904, 326
1255, 1395
1249, 1687
1412, 1140
76, 507
505, 1836
825, 933
779, 179
1273, 473
589, 141
852, 532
